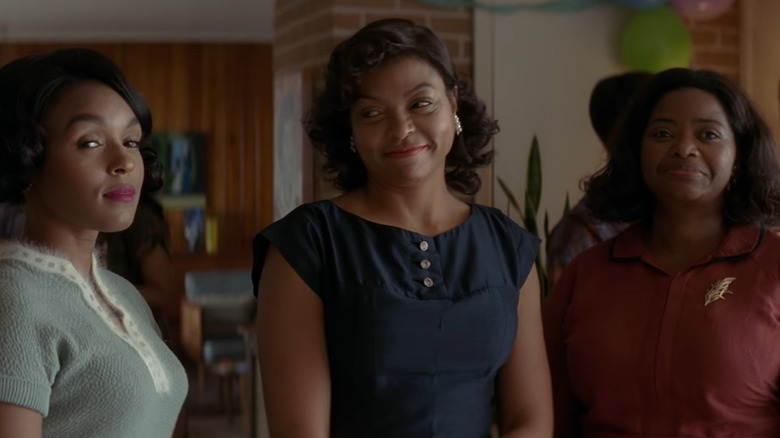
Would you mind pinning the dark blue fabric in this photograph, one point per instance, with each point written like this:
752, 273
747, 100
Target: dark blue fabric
408, 360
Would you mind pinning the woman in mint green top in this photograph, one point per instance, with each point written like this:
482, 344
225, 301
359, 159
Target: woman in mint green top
80, 354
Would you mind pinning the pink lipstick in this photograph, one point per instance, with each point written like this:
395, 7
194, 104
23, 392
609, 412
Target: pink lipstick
121, 194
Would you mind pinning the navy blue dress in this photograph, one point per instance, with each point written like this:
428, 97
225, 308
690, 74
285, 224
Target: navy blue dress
416, 326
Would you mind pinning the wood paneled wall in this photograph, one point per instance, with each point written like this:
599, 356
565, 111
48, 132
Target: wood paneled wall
226, 92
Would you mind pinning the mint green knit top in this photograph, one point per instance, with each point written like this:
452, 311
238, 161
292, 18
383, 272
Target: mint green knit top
65, 353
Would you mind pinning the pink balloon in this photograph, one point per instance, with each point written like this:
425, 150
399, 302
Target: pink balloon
700, 10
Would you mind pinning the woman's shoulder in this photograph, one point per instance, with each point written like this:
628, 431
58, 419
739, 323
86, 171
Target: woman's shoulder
488, 210
772, 235
310, 212
768, 244
496, 220
28, 291
484, 213
26, 262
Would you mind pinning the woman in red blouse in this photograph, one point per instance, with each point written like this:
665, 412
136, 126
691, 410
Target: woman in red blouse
672, 328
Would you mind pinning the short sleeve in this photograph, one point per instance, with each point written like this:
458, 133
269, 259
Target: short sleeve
527, 249
28, 363
525, 245
298, 239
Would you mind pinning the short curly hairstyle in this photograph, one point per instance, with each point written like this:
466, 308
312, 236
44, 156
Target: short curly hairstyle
610, 98
328, 124
28, 88
618, 193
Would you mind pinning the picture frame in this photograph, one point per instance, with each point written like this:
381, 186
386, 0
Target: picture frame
183, 155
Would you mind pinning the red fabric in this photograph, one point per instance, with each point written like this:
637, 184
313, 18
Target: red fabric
577, 231
635, 352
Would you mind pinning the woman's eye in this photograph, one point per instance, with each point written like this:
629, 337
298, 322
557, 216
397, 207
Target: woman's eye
661, 134
89, 144
133, 144
711, 135
369, 113
421, 104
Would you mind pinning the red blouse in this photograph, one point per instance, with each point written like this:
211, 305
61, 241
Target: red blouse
636, 352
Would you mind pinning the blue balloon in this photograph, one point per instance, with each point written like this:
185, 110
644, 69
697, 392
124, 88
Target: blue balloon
643, 4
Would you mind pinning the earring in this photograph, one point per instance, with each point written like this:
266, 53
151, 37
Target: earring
458, 126
352, 144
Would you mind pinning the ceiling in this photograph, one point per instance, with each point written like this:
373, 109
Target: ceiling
136, 20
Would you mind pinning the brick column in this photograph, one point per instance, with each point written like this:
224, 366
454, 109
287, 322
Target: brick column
305, 31
716, 43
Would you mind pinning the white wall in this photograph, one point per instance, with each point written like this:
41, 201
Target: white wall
536, 71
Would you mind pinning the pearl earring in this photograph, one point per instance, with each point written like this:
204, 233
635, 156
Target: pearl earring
352, 144
458, 126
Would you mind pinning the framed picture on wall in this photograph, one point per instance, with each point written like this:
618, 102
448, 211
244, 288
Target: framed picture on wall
183, 155
194, 229
288, 143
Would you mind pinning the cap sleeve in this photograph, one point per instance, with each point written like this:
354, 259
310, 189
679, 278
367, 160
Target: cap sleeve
527, 249
29, 361
298, 238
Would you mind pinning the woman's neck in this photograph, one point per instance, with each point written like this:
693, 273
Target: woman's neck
430, 211
680, 237
77, 249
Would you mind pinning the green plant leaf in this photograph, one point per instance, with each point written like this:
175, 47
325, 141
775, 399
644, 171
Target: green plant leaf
542, 272
510, 197
530, 217
534, 177
528, 212
546, 225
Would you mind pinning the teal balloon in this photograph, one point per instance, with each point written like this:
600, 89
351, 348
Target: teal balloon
655, 40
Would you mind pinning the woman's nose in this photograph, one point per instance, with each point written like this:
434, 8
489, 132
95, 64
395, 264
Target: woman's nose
123, 159
400, 126
685, 146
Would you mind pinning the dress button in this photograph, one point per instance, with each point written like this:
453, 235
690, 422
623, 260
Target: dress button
425, 264
423, 246
428, 282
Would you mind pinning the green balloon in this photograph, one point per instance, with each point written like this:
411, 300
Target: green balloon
656, 39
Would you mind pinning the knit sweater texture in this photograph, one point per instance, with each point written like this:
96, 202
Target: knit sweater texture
89, 357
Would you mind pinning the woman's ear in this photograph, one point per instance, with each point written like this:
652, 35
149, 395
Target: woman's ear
452, 95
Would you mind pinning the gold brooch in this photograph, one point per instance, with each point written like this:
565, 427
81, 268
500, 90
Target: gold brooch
717, 290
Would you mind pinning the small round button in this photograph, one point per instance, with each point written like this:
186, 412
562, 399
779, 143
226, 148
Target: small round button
428, 282
423, 246
425, 264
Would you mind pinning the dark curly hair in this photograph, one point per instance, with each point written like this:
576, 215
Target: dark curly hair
28, 88
610, 98
328, 123
618, 193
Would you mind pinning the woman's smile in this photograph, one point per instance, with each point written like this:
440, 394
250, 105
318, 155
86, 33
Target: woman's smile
405, 152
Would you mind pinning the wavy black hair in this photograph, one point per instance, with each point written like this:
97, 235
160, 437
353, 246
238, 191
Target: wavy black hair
328, 123
611, 97
28, 88
618, 193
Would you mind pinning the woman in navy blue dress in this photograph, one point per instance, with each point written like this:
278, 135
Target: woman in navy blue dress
397, 309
